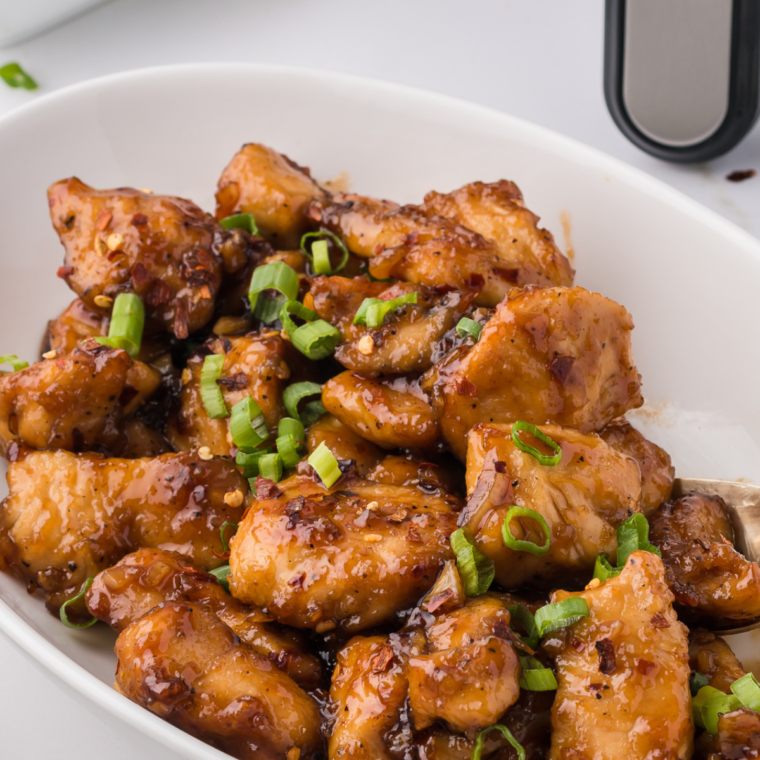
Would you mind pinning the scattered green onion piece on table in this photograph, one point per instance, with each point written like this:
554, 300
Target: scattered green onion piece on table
270, 467
747, 690
325, 464
301, 311
13, 361
552, 617
127, 324
223, 531
476, 570
536, 676
211, 394
316, 340
526, 546
469, 328
275, 276
291, 426
696, 682
320, 254
293, 394
287, 448
603, 569
633, 535
249, 461
240, 221
63, 612
524, 617
481, 738
14, 76
378, 311
248, 427
221, 573
549, 461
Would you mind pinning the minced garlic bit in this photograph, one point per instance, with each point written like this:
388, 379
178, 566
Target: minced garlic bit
145, 190
104, 302
233, 498
101, 246
115, 241
373, 505
366, 345
284, 335
372, 538
593, 583
324, 627
187, 376
50, 354
204, 452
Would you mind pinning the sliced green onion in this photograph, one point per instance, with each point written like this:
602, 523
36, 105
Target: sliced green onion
221, 574
476, 570
287, 448
373, 311
14, 76
747, 690
312, 412
13, 361
127, 323
550, 461
270, 467
240, 221
633, 535
481, 738
316, 340
535, 676
301, 311
248, 427
603, 569
222, 532
291, 426
704, 694
293, 394
63, 612
275, 276
325, 464
467, 327
696, 682
552, 617
249, 461
716, 706
320, 255
526, 546
524, 617
211, 394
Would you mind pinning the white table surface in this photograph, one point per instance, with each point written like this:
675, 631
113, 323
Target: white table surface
541, 60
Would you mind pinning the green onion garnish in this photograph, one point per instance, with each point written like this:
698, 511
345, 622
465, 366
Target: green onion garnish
13, 361
373, 311
63, 612
325, 464
320, 254
270, 467
467, 327
275, 276
552, 617
127, 323
633, 535
696, 682
248, 427
249, 461
315, 339
295, 393
476, 570
550, 461
301, 311
603, 569
524, 617
221, 573
222, 532
240, 221
747, 690
211, 394
710, 704
290, 435
535, 676
312, 412
14, 76
481, 738
291, 426
521, 545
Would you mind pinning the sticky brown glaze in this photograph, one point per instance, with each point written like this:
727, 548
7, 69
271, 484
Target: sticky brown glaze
186, 666
254, 365
738, 737
344, 443
133, 439
273, 188
497, 211
711, 656
583, 499
707, 575
72, 401
657, 471
124, 240
351, 556
548, 355
390, 414
67, 516
632, 702
444, 473
142, 580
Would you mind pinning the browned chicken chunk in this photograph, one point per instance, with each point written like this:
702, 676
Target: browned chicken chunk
707, 575
186, 666
351, 556
69, 516
623, 672
344, 443
548, 355
711, 656
738, 737
142, 580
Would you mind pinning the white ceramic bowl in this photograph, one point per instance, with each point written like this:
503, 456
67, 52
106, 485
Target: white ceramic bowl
690, 279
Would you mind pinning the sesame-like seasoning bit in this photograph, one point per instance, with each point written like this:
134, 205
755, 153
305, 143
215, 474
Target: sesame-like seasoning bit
294, 753
104, 302
399, 515
284, 335
115, 241
325, 626
233, 498
50, 354
372, 538
204, 452
187, 376
593, 583
373, 505
148, 191
366, 345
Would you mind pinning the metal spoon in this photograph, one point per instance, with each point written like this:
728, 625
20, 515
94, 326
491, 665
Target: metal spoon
743, 503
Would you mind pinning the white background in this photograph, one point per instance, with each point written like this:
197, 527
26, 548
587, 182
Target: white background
541, 60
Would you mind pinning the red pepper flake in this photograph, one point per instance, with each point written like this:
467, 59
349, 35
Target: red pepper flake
510, 275
104, 219
127, 395
412, 238
595, 687
64, 272
180, 320
577, 644
442, 290
439, 599
381, 661
236, 382
140, 275
413, 535
159, 294
645, 667
379, 248
297, 580
465, 387
221, 555
561, 366
267, 489
500, 466
659, 621
138, 220
475, 282
740, 175
606, 651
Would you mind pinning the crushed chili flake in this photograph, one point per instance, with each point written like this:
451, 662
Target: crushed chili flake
475, 282
413, 535
645, 667
659, 621
236, 382
140, 275
138, 220
510, 275
740, 175
297, 580
159, 294
561, 366
181, 329
64, 272
465, 387
104, 219
500, 466
594, 687
439, 599
380, 662
267, 489
606, 651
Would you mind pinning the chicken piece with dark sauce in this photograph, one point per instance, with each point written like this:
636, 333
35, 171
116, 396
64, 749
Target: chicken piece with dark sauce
344, 443
711, 656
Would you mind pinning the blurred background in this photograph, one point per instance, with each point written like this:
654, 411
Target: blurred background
540, 60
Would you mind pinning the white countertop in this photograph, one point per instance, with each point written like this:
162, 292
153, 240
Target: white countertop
541, 60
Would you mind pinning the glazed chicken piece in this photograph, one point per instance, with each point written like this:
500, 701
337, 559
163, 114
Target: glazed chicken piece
344, 443
73, 401
273, 188
391, 414
707, 575
68, 517
351, 556
411, 339
548, 356
497, 211
738, 737
161, 247
711, 656
657, 472
142, 580
186, 666
443, 474
623, 672
583, 499
254, 365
